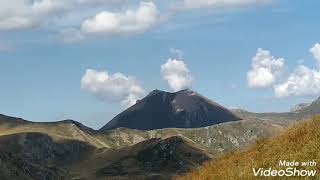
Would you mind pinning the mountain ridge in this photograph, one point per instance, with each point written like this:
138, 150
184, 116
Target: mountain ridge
182, 109
124, 153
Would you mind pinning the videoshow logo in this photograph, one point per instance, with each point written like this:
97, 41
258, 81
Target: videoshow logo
288, 169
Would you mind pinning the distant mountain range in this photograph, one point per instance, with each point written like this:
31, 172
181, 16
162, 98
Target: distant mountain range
183, 109
163, 135
299, 107
298, 112
309, 109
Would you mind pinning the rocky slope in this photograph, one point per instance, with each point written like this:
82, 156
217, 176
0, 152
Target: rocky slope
217, 138
183, 109
299, 107
151, 159
37, 156
299, 143
310, 109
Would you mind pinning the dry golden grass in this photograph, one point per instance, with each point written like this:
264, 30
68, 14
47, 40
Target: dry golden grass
301, 142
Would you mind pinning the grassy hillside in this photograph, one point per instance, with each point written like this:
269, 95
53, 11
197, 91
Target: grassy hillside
37, 156
151, 159
301, 142
219, 138
61, 130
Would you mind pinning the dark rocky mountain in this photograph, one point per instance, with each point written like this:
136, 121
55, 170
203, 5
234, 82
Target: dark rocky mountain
183, 109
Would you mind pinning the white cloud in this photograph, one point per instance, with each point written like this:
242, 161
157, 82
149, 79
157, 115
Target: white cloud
303, 81
131, 21
22, 14
112, 87
47, 6
315, 50
266, 70
17, 22
193, 4
176, 74
96, 16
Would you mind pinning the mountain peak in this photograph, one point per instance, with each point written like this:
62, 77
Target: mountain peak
161, 92
182, 109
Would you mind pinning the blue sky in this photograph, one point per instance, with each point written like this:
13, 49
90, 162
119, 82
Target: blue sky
41, 71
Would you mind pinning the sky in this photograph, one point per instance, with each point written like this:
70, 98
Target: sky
89, 60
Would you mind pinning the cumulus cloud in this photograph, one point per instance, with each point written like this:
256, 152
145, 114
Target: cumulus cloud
315, 50
115, 87
303, 81
131, 21
176, 74
193, 4
266, 70
17, 14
